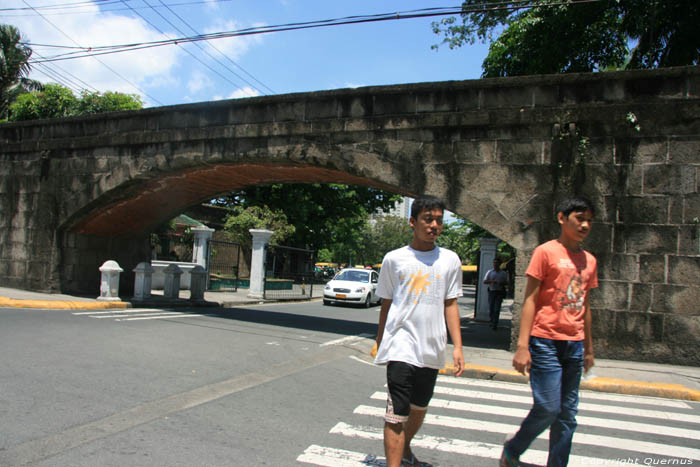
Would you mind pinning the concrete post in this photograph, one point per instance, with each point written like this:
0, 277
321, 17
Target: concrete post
488, 254
202, 235
142, 281
109, 281
261, 238
171, 289
198, 283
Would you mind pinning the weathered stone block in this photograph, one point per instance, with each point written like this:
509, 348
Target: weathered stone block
503, 97
440, 100
636, 328
519, 152
689, 240
394, 104
641, 297
286, 111
618, 267
684, 150
603, 325
643, 210
684, 270
676, 299
650, 239
669, 179
691, 208
652, 269
679, 331
326, 108
475, 151
612, 295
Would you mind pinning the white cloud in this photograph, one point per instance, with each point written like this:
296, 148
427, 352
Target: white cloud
238, 94
93, 28
198, 81
232, 47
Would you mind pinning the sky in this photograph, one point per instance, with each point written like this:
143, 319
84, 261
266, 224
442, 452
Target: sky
346, 56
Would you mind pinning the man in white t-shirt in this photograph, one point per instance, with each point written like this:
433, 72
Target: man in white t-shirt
419, 285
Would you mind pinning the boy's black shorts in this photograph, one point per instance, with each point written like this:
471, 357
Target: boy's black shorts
409, 387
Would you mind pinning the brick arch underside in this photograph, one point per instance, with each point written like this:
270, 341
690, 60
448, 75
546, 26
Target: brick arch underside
143, 206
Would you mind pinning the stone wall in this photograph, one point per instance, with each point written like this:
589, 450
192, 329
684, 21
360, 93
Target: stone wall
501, 152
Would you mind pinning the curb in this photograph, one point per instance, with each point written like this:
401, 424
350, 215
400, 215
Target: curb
62, 304
599, 384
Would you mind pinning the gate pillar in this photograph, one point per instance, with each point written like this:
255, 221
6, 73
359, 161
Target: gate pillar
488, 254
200, 256
261, 237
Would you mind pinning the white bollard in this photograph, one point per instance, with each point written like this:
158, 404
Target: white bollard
198, 283
109, 281
142, 282
171, 289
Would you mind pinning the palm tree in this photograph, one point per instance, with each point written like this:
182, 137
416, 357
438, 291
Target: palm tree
14, 68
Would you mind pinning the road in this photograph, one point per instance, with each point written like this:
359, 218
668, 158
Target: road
276, 384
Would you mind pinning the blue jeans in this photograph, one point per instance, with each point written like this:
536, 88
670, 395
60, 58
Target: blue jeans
554, 376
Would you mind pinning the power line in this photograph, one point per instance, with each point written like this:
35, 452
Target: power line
103, 64
187, 51
220, 52
412, 14
90, 5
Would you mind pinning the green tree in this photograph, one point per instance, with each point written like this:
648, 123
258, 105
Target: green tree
324, 215
386, 233
462, 237
555, 36
14, 68
55, 101
241, 220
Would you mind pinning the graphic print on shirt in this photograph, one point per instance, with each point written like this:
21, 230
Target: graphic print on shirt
420, 285
571, 299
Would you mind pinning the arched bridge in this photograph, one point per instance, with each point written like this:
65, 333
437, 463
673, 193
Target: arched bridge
500, 152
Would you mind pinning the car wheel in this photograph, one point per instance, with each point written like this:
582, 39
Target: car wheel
368, 301
326, 302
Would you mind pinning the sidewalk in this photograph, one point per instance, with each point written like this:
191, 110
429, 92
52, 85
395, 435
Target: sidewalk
485, 351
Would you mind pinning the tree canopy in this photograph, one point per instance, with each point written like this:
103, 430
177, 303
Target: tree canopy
55, 101
14, 68
560, 36
323, 215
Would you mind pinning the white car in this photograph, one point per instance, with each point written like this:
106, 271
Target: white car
352, 285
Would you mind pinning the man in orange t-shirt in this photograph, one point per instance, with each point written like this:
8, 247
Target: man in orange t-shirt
555, 343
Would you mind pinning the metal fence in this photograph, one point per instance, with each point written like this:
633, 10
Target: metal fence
289, 273
224, 266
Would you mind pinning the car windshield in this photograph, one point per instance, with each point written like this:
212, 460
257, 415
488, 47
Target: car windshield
352, 276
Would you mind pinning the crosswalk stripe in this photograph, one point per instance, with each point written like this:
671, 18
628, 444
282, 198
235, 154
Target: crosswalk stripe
331, 457
174, 315
519, 387
582, 419
112, 312
459, 446
581, 438
501, 397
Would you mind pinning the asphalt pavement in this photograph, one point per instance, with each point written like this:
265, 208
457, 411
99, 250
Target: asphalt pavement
486, 351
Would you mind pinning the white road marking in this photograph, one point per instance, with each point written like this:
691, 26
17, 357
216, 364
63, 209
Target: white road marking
494, 396
331, 457
176, 315
519, 387
456, 446
581, 438
582, 419
356, 358
346, 340
131, 310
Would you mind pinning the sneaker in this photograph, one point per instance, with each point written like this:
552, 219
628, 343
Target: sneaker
507, 460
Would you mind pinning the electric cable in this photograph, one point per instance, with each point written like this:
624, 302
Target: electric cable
188, 52
220, 52
412, 14
103, 64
